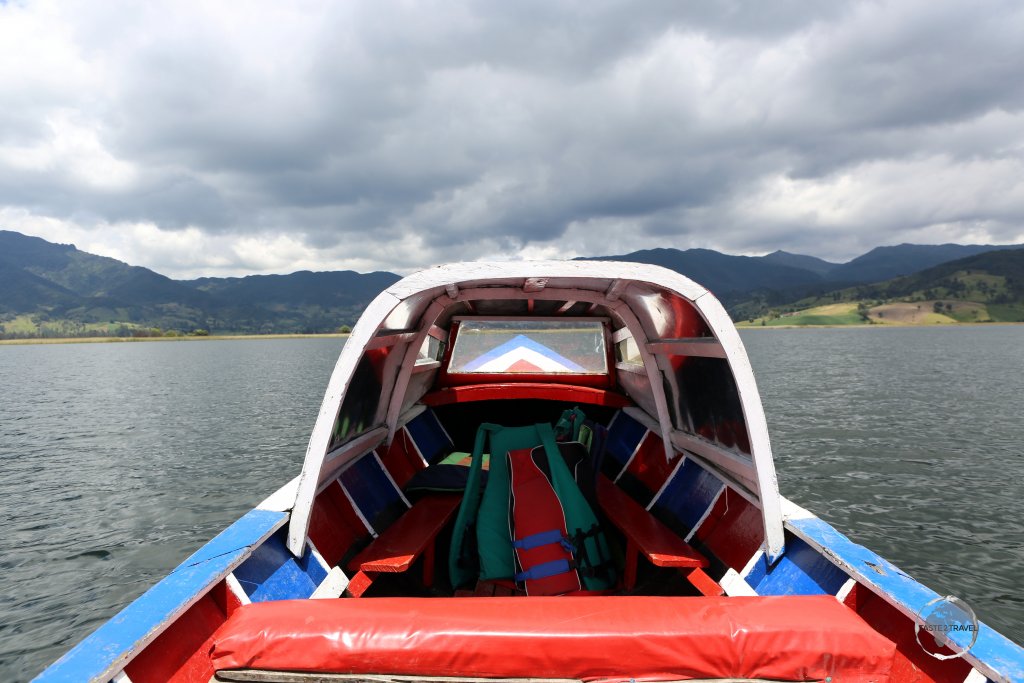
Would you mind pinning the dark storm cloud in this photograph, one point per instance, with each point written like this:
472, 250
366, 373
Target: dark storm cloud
926, 67
547, 128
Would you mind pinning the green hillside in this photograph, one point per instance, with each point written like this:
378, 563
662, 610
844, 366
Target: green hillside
987, 287
55, 290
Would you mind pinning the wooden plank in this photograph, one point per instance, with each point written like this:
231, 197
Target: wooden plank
703, 347
350, 450
537, 390
412, 535
704, 583
398, 394
425, 366
528, 318
655, 540
620, 334
401, 543
634, 368
616, 288
564, 308
331, 587
733, 584
283, 499
385, 340
644, 534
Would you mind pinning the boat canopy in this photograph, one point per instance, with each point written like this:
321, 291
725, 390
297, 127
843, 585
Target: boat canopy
670, 353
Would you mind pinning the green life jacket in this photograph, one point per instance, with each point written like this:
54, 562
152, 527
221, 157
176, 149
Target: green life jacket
482, 543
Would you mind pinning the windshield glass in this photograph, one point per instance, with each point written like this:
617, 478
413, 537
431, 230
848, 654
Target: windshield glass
569, 347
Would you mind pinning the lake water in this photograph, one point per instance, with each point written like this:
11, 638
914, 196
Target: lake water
118, 460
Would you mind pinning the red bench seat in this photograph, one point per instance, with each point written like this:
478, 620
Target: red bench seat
403, 542
645, 534
785, 638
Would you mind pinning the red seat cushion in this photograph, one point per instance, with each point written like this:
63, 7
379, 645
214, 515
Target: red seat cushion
794, 638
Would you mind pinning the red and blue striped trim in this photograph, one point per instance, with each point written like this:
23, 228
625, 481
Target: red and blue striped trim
108, 649
992, 650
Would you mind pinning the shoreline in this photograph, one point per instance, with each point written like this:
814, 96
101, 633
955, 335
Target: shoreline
874, 326
183, 338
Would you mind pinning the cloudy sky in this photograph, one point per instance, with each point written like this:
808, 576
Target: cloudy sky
202, 138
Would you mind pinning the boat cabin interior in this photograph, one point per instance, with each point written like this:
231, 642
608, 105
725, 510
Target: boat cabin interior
505, 447
530, 437
543, 471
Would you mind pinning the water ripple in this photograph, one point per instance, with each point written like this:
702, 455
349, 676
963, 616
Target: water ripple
910, 441
121, 459
124, 458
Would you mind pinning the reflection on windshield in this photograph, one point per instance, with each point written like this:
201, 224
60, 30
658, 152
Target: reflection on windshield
534, 346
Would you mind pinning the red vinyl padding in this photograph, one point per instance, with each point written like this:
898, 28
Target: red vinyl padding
792, 638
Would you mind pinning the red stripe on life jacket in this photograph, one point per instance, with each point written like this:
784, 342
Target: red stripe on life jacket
536, 510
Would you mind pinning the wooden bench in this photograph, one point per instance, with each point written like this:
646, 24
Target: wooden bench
645, 534
412, 535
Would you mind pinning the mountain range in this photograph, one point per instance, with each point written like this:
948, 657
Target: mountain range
49, 289
728, 275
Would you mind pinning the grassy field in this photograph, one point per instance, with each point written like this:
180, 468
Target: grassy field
1006, 312
894, 313
975, 291
831, 314
27, 324
23, 324
923, 313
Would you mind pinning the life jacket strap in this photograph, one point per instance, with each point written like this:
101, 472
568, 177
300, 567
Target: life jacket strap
586, 566
549, 537
544, 570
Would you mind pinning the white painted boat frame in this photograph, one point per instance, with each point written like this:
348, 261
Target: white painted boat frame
599, 283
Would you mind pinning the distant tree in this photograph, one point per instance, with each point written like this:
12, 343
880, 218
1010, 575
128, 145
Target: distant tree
345, 329
949, 307
199, 332
937, 307
864, 312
